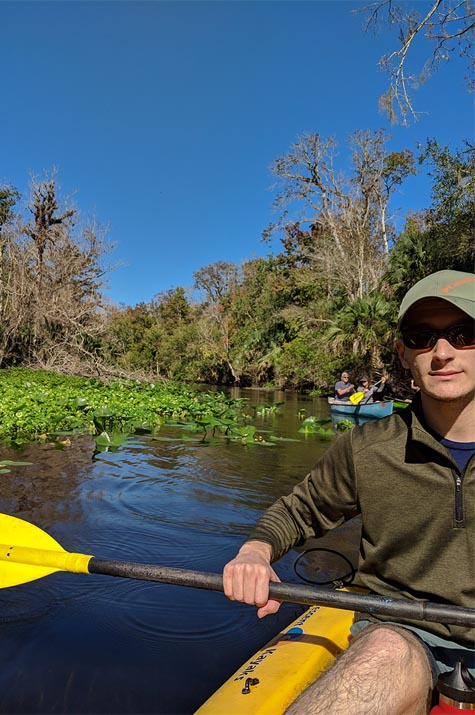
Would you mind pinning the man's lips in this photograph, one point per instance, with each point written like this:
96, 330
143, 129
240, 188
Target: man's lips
445, 374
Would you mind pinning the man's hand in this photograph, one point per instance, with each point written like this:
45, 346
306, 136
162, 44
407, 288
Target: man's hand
246, 578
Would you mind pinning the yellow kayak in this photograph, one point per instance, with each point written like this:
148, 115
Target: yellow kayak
285, 666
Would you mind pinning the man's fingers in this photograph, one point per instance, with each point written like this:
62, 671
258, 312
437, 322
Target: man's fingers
249, 582
246, 578
270, 607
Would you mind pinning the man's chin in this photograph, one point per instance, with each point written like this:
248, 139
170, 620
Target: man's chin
457, 397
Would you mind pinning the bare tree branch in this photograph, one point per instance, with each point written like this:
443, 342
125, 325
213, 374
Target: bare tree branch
447, 24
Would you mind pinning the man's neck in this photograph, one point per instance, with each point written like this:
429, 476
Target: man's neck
453, 420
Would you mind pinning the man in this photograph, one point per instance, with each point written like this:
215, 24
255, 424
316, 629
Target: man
411, 478
344, 388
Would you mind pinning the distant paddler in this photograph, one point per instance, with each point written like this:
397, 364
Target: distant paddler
344, 388
373, 393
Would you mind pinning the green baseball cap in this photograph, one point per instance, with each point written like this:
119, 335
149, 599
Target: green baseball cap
456, 287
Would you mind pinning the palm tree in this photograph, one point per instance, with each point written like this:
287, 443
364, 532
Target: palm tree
363, 327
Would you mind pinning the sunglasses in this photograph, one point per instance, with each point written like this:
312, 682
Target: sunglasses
459, 336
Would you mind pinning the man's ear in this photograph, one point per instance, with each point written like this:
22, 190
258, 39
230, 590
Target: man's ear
401, 351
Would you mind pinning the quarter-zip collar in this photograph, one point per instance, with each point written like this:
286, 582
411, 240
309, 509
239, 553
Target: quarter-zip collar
420, 432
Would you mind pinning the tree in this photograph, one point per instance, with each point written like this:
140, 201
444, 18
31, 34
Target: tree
260, 328
215, 324
378, 173
409, 261
443, 235
217, 280
215, 331
53, 272
349, 231
447, 24
174, 334
8, 198
363, 327
171, 308
453, 185
130, 340
16, 306
46, 225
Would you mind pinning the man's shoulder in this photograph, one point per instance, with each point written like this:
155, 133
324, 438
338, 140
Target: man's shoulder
380, 431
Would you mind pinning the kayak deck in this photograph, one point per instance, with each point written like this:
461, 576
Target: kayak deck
285, 666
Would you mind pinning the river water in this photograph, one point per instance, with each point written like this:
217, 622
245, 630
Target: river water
94, 644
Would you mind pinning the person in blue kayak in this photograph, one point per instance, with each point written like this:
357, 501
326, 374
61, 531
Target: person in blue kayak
344, 388
375, 393
410, 478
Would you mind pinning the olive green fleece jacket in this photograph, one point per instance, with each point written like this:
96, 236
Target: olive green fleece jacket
417, 511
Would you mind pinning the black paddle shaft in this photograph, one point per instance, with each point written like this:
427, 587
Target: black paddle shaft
296, 593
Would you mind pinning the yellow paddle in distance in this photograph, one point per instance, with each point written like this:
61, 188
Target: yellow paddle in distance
21, 562
356, 397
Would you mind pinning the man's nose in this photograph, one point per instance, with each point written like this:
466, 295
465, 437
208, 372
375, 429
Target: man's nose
443, 350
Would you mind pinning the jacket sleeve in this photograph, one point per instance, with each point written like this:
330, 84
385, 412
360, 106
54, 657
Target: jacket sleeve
323, 500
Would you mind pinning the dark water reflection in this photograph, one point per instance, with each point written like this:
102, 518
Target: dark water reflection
93, 644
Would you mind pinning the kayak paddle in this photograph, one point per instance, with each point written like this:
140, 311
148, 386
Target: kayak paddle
20, 563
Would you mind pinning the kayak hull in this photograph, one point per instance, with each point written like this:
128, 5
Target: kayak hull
372, 410
285, 666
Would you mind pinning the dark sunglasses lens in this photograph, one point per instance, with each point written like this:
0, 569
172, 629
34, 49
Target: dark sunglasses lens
420, 339
460, 336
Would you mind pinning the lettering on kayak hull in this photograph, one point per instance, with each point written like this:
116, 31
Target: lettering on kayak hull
284, 637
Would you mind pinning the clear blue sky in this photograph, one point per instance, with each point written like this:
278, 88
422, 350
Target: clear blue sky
164, 117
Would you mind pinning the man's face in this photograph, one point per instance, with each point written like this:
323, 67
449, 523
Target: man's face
443, 372
345, 378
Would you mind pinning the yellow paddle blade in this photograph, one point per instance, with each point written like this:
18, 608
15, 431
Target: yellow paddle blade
28, 553
356, 397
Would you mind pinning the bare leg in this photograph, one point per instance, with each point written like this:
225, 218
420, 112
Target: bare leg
385, 671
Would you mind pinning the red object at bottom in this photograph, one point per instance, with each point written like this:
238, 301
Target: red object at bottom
446, 709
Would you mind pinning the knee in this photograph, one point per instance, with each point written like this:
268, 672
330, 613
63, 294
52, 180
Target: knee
383, 639
395, 645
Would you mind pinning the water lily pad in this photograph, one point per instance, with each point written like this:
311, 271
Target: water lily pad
283, 439
9, 463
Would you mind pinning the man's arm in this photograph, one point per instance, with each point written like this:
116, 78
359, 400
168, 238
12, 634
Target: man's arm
344, 390
322, 501
378, 389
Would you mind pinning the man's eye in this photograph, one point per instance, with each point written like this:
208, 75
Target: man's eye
462, 335
456, 335
423, 336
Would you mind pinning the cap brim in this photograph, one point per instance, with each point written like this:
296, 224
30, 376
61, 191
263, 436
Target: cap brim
464, 304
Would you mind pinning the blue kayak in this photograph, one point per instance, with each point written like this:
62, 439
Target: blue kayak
372, 410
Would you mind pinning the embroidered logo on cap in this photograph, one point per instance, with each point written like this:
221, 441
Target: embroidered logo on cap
456, 284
